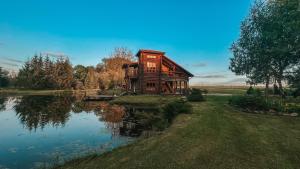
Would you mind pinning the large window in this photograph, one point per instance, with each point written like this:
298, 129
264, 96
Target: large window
151, 67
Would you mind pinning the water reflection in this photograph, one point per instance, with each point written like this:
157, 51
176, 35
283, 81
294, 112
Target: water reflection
2, 103
38, 111
37, 129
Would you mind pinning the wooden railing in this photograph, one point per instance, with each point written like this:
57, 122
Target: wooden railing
172, 74
132, 73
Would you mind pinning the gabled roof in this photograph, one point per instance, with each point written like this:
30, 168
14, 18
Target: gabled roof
149, 51
187, 72
163, 53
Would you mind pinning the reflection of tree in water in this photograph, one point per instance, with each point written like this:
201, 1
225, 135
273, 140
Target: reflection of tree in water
83, 106
2, 103
112, 115
140, 120
38, 111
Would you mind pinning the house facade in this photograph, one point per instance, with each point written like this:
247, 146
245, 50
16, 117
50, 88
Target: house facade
155, 73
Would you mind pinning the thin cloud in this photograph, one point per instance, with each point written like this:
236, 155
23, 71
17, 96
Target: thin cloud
199, 65
210, 76
13, 60
9, 64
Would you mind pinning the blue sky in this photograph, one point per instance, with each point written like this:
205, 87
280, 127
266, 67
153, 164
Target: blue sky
196, 34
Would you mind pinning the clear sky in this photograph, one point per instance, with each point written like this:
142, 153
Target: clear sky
196, 34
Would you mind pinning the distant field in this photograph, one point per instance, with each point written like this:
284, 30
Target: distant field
224, 89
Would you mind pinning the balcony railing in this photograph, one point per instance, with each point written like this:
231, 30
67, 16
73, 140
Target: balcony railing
173, 74
132, 73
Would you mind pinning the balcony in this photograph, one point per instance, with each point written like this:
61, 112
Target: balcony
133, 73
169, 75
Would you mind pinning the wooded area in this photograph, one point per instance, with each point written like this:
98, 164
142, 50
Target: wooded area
42, 72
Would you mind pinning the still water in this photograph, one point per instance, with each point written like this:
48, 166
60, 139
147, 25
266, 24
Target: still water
39, 131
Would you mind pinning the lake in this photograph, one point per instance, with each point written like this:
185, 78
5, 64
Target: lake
39, 131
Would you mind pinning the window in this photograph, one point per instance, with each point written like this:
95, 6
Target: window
151, 67
150, 86
151, 57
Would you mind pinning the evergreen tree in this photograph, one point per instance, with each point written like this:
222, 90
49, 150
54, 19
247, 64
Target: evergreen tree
4, 79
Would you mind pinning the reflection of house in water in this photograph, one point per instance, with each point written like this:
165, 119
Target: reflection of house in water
138, 120
126, 121
155, 73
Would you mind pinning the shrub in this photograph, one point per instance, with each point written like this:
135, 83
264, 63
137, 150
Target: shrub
195, 96
174, 108
276, 90
250, 91
255, 92
249, 102
296, 93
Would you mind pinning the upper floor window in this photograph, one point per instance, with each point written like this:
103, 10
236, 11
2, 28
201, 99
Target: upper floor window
151, 56
151, 67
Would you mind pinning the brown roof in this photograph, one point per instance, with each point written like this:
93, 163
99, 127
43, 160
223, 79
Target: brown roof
149, 51
163, 53
187, 72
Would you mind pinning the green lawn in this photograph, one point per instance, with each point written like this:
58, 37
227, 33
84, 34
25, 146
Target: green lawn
215, 136
144, 100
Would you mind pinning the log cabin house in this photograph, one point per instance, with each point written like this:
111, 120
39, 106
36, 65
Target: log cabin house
155, 73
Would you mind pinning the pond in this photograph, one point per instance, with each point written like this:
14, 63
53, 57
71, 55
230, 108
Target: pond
39, 131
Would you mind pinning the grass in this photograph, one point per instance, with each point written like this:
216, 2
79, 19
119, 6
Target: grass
149, 100
214, 136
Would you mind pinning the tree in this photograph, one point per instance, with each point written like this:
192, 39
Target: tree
269, 42
63, 74
249, 55
40, 73
80, 73
111, 71
4, 79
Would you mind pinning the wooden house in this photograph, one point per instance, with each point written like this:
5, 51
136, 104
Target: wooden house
155, 73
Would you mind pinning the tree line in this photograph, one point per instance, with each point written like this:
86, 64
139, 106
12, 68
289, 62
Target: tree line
268, 49
42, 72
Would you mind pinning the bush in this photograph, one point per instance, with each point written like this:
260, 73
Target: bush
255, 92
296, 93
276, 90
174, 108
249, 102
250, 91
195, 96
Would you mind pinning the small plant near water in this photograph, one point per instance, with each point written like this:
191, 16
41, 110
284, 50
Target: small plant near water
172, 109
195, 95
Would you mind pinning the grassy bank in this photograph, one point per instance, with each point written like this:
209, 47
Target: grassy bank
215, 136
144, 100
